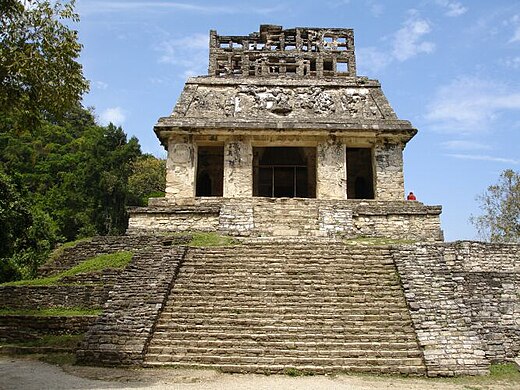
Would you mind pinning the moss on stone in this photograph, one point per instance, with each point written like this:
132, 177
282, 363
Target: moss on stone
116, 260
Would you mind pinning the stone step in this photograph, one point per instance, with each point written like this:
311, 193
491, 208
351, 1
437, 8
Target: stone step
291, 361
280, 282
283, 318
182, 352
269, 307
272, 368
185, 334
291, 294
288, 251
230, 342
302, 330
270, 299
263, 310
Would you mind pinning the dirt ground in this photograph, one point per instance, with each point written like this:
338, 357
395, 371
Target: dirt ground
29, 374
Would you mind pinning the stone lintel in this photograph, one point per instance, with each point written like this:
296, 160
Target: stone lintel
398, 131
340, 82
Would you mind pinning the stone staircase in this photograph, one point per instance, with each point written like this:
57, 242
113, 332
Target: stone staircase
273, 307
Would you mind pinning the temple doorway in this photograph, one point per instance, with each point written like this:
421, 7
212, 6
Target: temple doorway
360, 177
210, 171
284, 172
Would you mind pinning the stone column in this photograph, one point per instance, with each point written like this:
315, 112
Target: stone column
331, 170
389, 171
180, 168
238, 168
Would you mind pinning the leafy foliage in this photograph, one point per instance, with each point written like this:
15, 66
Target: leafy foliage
39, 74
148, 180
62, 176
500, 204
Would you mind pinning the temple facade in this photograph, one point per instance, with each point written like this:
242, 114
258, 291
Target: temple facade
283, 138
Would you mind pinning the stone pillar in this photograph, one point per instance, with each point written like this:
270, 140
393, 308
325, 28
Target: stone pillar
389, 171
180, 169
331, 170
238, 169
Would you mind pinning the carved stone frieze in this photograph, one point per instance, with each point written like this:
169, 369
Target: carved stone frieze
257, 101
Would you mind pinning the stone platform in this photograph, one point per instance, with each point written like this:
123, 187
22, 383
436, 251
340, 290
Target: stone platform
289, 217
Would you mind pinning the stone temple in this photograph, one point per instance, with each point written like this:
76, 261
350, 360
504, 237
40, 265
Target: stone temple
282, 137
285, 148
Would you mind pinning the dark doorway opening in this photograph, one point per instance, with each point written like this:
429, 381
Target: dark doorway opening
210, 171
360, 176
284, 172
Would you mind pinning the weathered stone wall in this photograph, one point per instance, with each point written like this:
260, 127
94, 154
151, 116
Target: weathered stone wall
331, 170
491, 291
291, 217
238, 168
389, 171
236, 218
464, 302
39, 297
180, 168
15, 328
121, 334
173, 218
399, 222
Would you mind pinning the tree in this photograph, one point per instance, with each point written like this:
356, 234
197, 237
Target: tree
39, 73
148, 180
26, 237
500, 204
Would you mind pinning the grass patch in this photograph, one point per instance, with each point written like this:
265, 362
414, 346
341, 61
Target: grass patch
56, 253
94, 264
295, 372
52, 311
504, 370
375, 241
210, 239
59, 359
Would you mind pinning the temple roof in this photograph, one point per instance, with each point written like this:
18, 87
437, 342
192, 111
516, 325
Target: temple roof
246, 100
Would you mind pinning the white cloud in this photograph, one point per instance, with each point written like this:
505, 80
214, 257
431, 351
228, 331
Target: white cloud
513, 62
514, 22
464, 145
371, 60
516, 36
453, 8
115, 115
94, 7
100, 85
189, 53
408, 40
406, 43
376, 8
481, 157
470, 104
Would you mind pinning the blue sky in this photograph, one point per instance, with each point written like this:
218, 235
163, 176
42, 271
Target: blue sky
450, 67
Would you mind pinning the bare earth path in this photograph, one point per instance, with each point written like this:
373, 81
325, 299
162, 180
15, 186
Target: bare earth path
27, 374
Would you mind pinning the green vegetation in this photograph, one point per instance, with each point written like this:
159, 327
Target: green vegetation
62, 175
51, 312
59, 359
505, 371
210, 239
295, 372
375, 241
500, 205
113, 260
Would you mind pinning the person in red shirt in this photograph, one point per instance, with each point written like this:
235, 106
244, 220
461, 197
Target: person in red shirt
411, 196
